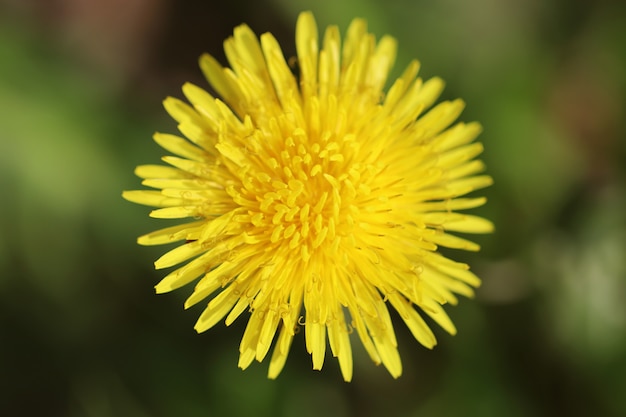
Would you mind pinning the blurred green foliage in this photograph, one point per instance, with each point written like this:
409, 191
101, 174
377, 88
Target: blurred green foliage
82, 333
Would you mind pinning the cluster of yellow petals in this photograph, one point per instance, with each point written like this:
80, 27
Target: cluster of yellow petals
316, 200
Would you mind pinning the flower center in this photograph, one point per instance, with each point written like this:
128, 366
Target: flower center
303, 191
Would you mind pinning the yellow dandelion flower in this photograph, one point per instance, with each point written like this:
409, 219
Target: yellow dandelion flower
316, 200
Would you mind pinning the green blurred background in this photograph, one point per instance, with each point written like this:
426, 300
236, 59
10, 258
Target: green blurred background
81, 331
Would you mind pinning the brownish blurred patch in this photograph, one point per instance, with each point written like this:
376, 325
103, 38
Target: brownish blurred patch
150, 46
586, 103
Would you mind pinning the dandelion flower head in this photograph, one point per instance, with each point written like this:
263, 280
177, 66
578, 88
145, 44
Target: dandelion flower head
316, 200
